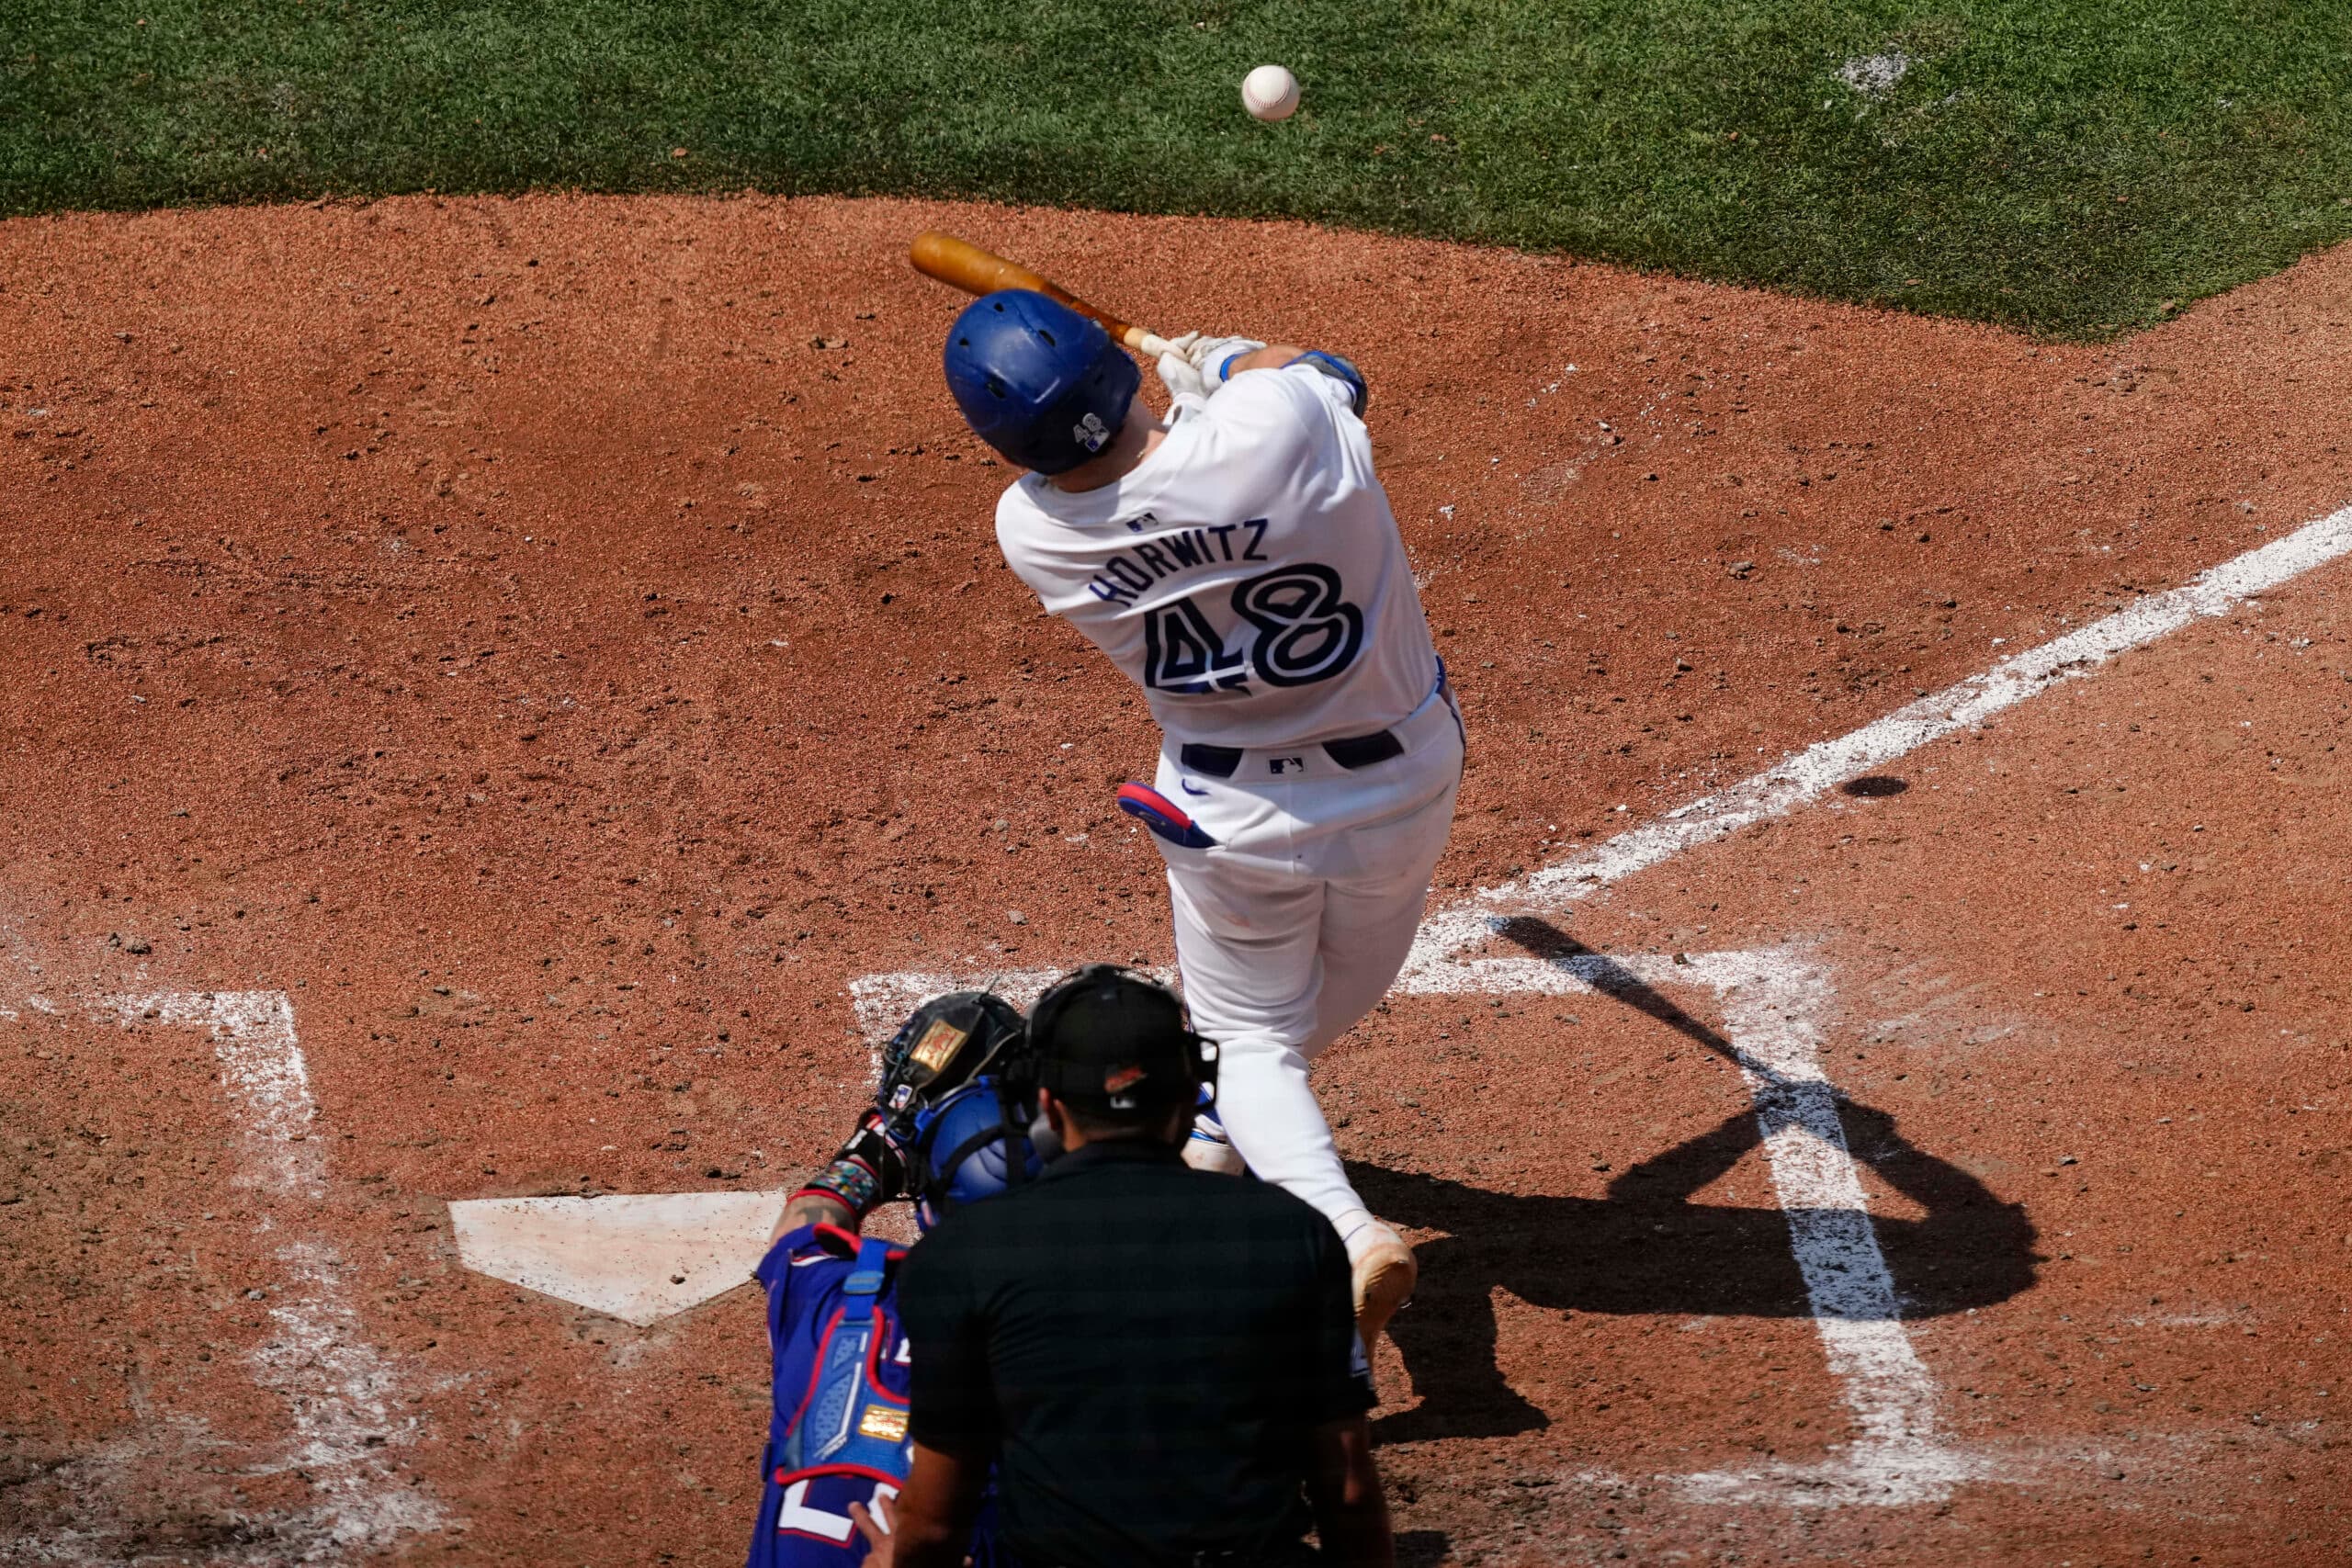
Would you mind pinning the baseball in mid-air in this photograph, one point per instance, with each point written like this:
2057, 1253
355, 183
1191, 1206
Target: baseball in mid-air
1270, 93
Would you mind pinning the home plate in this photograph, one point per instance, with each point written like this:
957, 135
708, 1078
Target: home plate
637, 1256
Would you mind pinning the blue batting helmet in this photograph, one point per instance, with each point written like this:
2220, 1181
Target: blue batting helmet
1036, 381
964, 1150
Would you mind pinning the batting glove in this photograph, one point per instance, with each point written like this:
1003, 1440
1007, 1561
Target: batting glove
1179, 374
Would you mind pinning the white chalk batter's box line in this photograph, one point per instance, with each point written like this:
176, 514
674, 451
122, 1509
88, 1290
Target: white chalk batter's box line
1775, 1006
340, 1391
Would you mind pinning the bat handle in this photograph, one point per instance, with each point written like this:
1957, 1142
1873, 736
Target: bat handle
1151, 345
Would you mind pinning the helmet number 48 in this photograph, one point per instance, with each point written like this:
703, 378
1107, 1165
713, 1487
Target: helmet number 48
1305, 632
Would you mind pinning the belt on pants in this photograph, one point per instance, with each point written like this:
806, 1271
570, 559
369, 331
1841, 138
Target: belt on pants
1350, 751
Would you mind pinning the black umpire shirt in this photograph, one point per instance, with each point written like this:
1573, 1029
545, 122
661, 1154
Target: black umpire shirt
1144, 1349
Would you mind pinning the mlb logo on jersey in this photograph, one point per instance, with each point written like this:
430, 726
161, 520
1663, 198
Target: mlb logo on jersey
1278, 765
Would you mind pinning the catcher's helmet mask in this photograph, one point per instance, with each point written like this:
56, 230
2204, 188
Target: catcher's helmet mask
972, 1145
949, 1039
967, 1143
1103, 1036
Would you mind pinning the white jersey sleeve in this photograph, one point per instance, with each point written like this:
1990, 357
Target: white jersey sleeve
1247, 574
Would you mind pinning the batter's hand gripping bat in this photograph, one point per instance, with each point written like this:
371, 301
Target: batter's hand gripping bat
965, 266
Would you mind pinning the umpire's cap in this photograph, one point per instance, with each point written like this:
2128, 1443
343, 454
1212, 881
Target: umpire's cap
1105, 1038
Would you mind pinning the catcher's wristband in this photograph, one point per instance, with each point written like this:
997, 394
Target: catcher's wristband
847, 1181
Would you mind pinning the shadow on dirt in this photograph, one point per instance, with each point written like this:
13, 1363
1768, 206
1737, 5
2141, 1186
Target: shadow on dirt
1422, 1548
1647, 1248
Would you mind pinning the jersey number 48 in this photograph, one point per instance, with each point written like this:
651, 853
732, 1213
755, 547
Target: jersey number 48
1305, 632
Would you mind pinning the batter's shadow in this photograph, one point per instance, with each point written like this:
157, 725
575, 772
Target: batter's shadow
1647, 1248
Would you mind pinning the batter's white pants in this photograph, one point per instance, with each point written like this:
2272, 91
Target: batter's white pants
1295, 923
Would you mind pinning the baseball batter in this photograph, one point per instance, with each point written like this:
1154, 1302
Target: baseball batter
1240, 562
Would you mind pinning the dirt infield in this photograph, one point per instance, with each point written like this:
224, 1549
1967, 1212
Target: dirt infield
479, 680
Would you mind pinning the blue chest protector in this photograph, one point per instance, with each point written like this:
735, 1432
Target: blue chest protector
848, 1421
845, 1441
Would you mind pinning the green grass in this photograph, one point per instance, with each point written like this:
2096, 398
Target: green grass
2070, 167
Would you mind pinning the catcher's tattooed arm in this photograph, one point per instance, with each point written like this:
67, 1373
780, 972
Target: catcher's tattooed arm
812, 1209
870, 1170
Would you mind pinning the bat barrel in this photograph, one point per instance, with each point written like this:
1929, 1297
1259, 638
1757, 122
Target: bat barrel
961, 265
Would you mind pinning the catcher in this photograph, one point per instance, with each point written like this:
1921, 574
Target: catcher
941, 1135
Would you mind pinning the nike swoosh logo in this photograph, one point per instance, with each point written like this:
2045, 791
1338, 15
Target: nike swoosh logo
1186, 785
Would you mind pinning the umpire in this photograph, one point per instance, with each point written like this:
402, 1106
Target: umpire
1160, 1363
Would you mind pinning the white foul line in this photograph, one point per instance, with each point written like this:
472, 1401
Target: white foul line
1436, 965
338, 1388
1818, 768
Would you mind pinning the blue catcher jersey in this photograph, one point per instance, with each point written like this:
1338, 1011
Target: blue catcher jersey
838, 1431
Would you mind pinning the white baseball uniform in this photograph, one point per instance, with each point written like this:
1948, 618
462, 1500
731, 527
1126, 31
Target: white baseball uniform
1248, 575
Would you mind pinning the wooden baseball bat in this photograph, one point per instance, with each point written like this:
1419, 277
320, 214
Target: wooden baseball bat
961, 265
